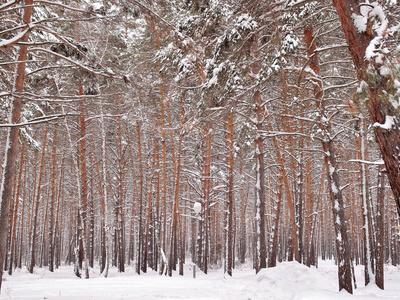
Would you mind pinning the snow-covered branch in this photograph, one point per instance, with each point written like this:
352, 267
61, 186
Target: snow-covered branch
38, 120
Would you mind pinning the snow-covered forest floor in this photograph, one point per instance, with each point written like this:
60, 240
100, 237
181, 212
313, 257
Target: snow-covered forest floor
289, 280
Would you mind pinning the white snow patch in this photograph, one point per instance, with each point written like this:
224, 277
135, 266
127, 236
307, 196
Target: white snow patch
97, 6
385, 71
389, 123
288, 280
334, 188
362, 87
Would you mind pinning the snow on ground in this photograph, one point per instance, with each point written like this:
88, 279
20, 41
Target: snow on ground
289, 280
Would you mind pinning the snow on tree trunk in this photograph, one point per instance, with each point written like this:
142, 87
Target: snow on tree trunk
342, 245
375, 69
260, 251
368, 272
107, 237
12, 141
81, 219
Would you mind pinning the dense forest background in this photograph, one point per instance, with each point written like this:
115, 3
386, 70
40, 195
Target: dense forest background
132, 114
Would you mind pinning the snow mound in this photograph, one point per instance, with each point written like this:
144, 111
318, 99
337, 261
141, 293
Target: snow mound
291, 280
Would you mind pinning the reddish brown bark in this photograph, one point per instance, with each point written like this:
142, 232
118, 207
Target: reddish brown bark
36, 205
230, 198
15, 211
331, 165
52, 203
12, 142
175, 210
378, 85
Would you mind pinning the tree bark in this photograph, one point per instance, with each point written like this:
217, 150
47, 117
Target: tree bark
12, 141
261, 251
36, 206
140, 200
230, 199
380, 231
52, 202
15, 215
175, 210
379, 89
342, 246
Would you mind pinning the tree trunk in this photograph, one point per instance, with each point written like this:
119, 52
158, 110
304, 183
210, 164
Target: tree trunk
174, 245
120, 216
15, 215
52, 202
379, 274
379, 89
342, 246
140, 233
83, 205
275, 232
12, 141
36, 206
230, 199
106, 222
261, 251
368, 272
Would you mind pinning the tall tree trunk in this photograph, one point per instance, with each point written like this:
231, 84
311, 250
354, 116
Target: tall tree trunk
174, 245
245, 186
120, 216
106, 223
275, 233
342, 245
230, 199
15, 216
36, 206
379, 90
52, 202
58, 217
380, 231
260, 243
83, 205
140, 233
12, 140
368, 272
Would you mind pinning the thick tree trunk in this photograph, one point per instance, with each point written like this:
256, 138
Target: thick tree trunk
12, 141
379, 89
